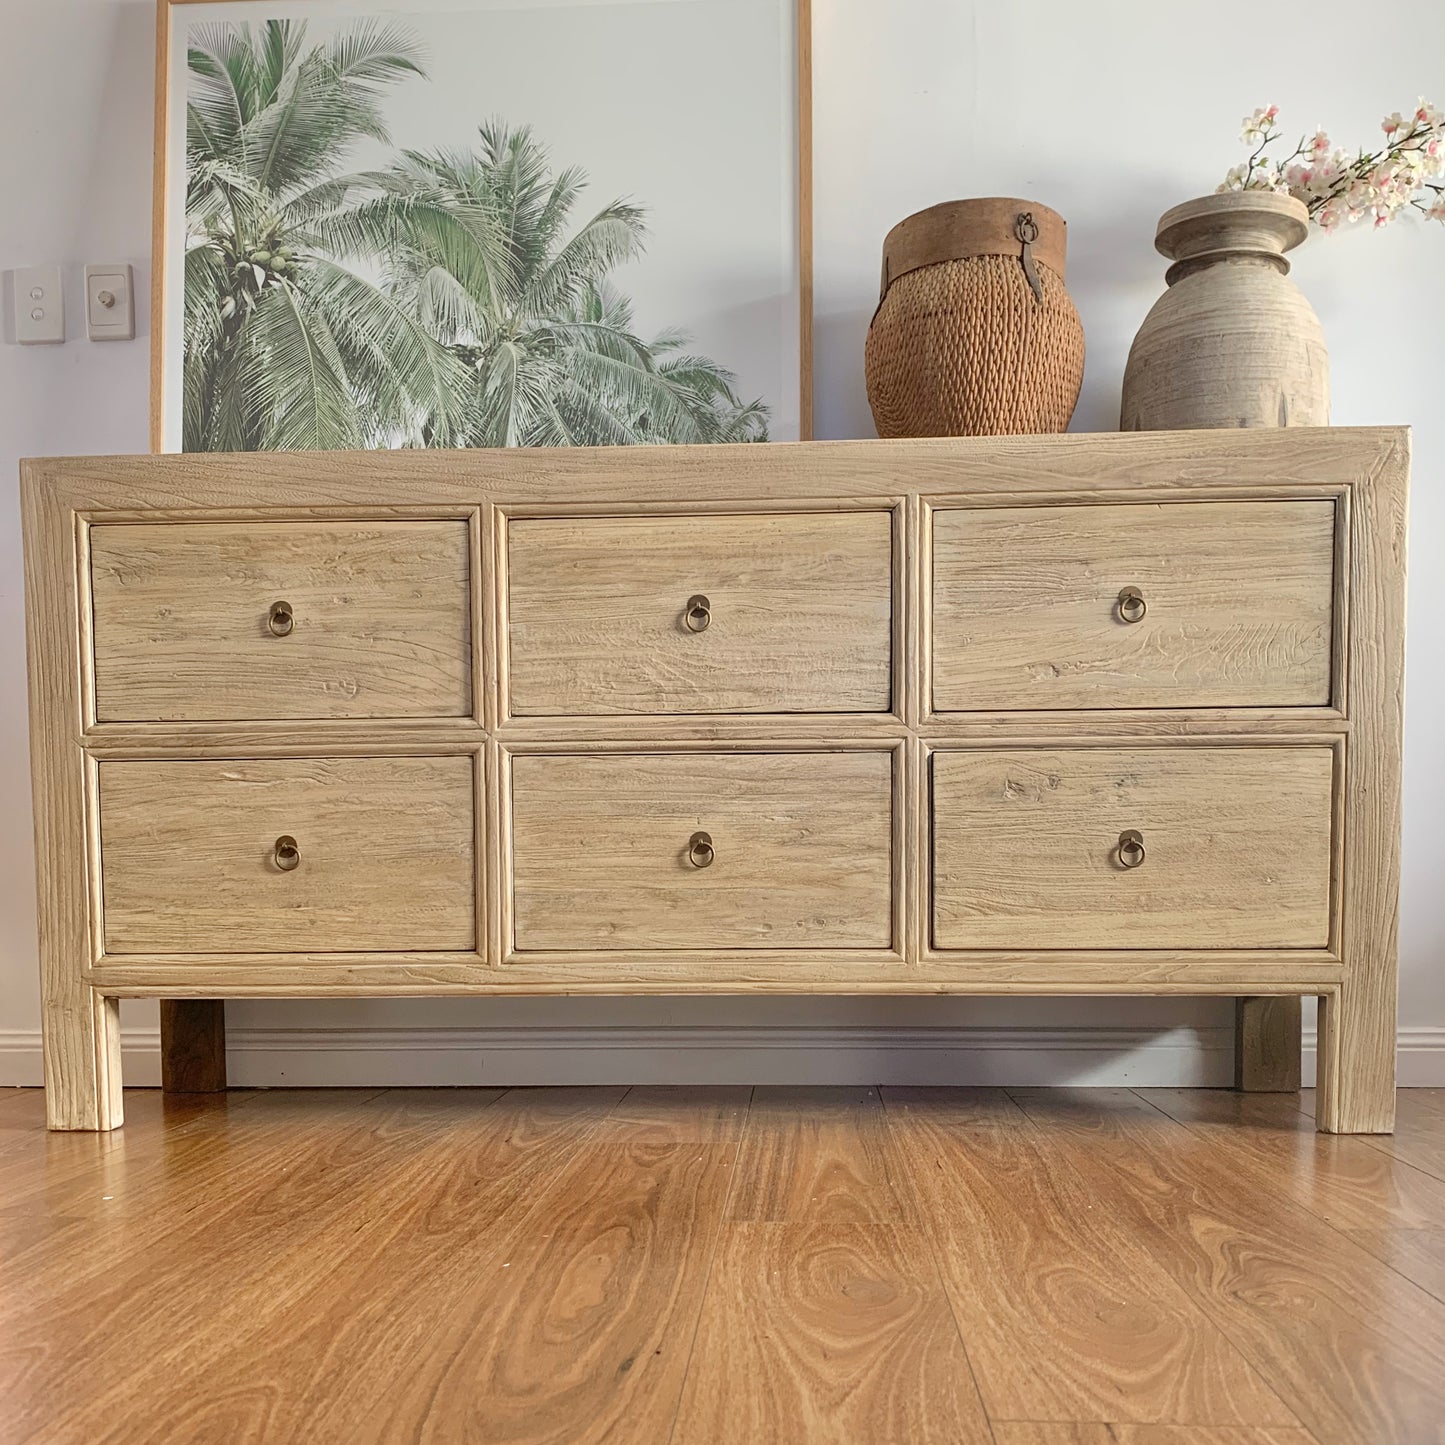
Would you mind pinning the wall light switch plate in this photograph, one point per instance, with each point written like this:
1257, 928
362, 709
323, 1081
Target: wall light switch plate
109, 302
39, 305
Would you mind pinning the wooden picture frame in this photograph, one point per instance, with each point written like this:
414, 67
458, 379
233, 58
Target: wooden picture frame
163, 423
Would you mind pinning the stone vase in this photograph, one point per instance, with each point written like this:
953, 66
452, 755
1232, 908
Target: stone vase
1232, 342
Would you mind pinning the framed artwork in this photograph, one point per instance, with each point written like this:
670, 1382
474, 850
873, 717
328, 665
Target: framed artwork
481, 223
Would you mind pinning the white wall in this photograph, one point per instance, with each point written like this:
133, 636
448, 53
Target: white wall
1109, 112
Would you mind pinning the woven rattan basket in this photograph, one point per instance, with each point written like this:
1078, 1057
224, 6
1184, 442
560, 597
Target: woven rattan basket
975, 333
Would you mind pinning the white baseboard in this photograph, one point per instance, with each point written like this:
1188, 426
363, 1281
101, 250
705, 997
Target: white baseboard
321, 1058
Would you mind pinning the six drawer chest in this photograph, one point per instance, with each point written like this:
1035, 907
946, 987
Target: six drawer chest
1085, 715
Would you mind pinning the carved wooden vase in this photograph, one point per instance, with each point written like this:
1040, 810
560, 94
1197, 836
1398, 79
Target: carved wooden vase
1232, 342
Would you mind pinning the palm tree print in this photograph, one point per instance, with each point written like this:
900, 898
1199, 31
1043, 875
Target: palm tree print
445, 299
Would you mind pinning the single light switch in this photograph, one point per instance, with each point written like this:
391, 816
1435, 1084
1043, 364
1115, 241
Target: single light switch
39, 305
109, 303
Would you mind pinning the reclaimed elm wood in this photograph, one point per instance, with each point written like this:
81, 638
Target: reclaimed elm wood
1267, 1045
798, 619
379, 620
386, 855
1238, 599
193, 1045
1357, 1027
1347, 487
800, 851
1238, 847
80, 1024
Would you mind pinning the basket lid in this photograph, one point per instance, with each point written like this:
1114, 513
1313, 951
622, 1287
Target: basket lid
987, 226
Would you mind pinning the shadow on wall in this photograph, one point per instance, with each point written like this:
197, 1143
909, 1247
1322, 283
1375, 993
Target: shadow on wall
731, 1040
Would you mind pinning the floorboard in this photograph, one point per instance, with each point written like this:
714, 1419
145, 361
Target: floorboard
722, 1266
1065, 1310
1352, 1347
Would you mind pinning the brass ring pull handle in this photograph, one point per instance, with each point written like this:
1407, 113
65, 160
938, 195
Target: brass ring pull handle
286, 854
1131, 848
698, 613
280, 619
700, 850
1132, 605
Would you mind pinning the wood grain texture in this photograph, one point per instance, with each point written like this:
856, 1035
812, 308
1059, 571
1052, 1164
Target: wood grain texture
1353, 1185
1356, 477
1233, 342
1267, 1045
381, 620
1238, 596
799, 605
814, 1156
193, 1045
1066, 1312
802, 853
1352, 1348
1023, 1432
81, 1026
1418, 1254
1237, 847
1356, 1054
558, 1265
387, 855
1109, 466
841, 1333
1417, 1138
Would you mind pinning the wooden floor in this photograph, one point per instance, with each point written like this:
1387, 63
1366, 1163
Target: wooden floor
1163, 1267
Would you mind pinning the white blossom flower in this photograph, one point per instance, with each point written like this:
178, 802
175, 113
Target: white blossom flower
1260, 124
1339, 187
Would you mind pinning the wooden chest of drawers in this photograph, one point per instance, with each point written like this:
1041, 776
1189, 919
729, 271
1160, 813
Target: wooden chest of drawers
1084, 715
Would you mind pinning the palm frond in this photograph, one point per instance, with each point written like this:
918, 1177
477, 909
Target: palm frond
295, 382
402, 374
372, 51
613, 236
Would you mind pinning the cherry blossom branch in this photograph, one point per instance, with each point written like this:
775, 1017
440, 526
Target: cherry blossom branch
1335, 187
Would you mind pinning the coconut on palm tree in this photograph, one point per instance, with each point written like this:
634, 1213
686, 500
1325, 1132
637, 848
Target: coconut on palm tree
478, 249
284, 347
440, 301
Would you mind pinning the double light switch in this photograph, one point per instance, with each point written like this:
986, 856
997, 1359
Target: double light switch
40, 304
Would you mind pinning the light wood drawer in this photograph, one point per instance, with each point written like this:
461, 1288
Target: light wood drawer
1237, 599
798, 614
386, 846
184, 630
801, 849
1236, 848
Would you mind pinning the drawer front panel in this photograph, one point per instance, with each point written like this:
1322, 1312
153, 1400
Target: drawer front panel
797, 615
384, 855
1236, 848
800, 851
1236, 598
376, 620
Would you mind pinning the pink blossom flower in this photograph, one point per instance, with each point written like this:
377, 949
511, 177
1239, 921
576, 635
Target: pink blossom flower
1339, 186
